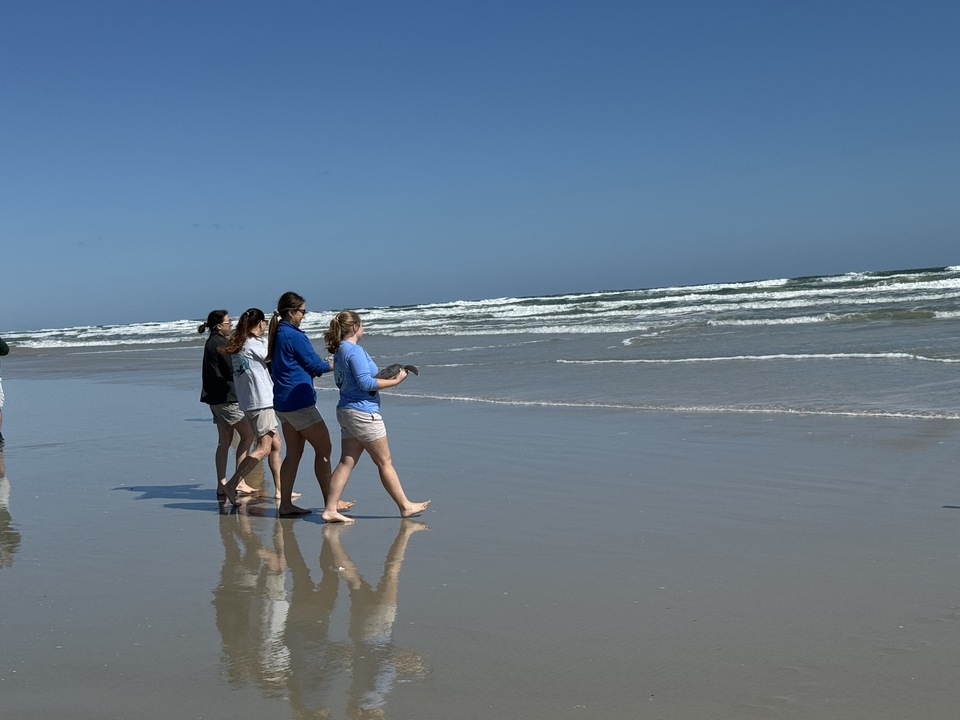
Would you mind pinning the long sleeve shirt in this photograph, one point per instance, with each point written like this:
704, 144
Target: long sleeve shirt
354, 370
294, 364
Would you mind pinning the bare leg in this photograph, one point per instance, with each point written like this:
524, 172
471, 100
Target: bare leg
380, 454
288, 471
224, 438
274, 460
319, 438
231, 487
350, 452
247, 436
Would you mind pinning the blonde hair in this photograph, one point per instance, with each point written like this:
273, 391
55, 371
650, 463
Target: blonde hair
343, 324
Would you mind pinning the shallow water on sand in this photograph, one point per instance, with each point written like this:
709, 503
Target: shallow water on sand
579, 562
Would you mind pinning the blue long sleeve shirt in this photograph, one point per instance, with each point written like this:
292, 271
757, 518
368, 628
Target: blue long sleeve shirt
353, 371
293, 365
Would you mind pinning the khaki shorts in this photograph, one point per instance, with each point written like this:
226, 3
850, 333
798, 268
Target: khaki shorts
227, 414
263, 421
364, 426
301, 419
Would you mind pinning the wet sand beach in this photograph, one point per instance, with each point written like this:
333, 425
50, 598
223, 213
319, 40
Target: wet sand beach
575, 563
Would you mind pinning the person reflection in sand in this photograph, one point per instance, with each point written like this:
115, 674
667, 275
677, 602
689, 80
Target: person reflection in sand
314, 660
377, 662
373, 662
9, 535
251, 604
279, 637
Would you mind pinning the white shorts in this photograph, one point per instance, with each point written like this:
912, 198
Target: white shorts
1, 392
301, 419
263, 421
364, 426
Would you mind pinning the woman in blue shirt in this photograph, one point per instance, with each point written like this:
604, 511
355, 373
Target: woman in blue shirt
358, 412
294, 364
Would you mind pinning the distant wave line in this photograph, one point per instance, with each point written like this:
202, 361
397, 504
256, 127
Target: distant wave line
777, 356
700, 409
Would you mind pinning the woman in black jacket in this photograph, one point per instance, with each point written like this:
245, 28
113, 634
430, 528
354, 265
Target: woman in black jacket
217, 391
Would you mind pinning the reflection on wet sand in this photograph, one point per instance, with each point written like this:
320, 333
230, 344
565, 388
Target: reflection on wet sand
275, 620
9, 535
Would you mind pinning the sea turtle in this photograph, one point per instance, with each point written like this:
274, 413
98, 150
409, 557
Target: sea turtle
391, 371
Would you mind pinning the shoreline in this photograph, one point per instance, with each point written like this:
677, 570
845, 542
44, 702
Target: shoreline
579, 562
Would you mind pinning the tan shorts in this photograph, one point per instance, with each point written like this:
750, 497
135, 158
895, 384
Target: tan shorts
263, 421
227, 414
301, 419
364, 426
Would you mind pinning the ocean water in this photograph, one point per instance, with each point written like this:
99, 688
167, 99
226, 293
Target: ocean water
881, 344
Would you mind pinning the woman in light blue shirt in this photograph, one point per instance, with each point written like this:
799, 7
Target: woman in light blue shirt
358, 412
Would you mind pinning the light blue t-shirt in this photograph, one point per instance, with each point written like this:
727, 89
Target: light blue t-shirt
353, 371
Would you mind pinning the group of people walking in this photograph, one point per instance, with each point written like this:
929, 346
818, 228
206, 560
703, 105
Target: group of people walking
4, 350
257, 374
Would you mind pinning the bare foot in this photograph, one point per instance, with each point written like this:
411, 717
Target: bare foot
276, 495
345, 505
244, 489
335, 517
413, 509
292, 510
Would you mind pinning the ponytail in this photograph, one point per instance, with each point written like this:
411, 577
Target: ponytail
213, 319
287, 303
243, 331
272, 334
343, 323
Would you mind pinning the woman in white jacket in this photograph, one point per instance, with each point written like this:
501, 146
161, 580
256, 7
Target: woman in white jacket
251, 379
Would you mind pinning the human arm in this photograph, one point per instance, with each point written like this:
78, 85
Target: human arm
308, 358
361, 367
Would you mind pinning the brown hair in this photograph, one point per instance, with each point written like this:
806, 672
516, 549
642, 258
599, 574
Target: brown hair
242, 332
287, 303
213, 319
343, 323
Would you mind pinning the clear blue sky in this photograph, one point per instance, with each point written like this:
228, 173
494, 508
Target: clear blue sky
161, 159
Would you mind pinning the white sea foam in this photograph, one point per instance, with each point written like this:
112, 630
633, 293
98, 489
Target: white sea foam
699, 409
759, 358
909, 295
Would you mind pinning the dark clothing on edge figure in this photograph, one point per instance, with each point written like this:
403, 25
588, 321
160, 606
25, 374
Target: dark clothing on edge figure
217, 373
